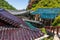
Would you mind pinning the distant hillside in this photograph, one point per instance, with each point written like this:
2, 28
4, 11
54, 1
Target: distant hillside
4, 4
43, 4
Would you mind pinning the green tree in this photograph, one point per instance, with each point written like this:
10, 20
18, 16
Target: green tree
4, 4
46, 4
56, 21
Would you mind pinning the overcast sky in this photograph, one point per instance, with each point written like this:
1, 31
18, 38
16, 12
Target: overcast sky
18, 4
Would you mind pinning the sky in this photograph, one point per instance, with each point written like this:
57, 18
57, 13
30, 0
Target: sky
18, 4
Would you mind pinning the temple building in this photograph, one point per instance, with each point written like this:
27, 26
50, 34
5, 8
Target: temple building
46, 15
14, 28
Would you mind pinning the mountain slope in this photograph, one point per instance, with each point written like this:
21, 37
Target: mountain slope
4, 4
45, 4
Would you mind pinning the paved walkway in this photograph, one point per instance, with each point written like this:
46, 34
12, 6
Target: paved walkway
45, 36
56, 37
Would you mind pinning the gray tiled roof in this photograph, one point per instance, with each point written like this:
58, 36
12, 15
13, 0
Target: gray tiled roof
18, 12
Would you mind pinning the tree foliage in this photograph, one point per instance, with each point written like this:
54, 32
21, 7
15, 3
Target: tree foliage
56, 21
4, 4
46, 4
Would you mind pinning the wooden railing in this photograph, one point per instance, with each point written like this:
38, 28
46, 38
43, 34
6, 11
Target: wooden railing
53, 29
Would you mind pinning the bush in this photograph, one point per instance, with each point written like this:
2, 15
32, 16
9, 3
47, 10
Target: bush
43, 30
56, 21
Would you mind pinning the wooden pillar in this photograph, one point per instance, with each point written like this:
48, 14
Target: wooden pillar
57, 30
36, 17
53, 29
50, 22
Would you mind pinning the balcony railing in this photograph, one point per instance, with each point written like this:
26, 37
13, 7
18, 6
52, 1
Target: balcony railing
53, 29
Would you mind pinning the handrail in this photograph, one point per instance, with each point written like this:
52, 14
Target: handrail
56, 28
